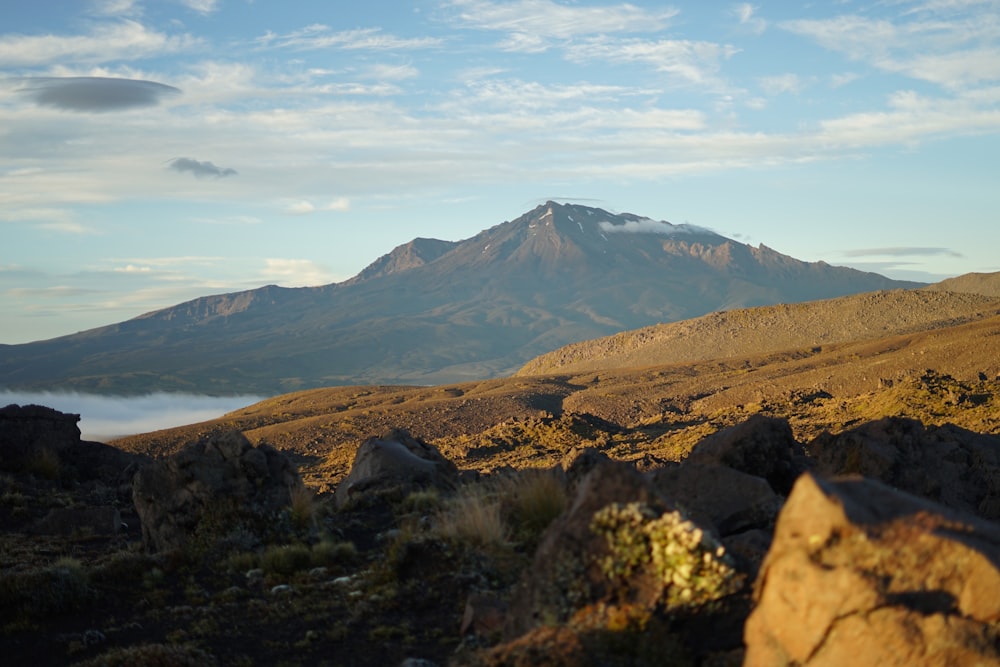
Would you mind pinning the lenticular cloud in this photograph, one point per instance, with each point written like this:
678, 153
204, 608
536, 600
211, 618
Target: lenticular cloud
96, 94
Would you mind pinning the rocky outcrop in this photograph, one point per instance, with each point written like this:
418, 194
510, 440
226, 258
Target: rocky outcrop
862, 574
26, 432
395, 463
761, 446
210, 490
947, 464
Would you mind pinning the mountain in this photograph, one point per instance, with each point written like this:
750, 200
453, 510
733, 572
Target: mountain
435, 311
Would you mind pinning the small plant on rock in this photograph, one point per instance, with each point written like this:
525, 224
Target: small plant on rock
690, 565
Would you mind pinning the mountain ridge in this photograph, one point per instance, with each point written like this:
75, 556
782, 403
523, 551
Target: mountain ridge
432, 311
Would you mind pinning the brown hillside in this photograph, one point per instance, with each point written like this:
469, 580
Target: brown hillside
751, 331
974, 283
945, 374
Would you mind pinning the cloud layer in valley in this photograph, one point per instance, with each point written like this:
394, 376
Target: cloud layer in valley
105, 417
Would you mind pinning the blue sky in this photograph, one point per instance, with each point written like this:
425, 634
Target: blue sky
156, 151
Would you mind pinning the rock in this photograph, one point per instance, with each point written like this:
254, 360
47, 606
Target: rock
484, 615
102, 521
214, 489
29, 430
761, 446
862, 574
396, 462
714, 495
46, 442
578, 462
946, 464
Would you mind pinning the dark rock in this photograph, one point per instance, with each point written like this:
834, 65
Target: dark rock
946, 464
760, 446
718, 496
397, 462
862, 574
211, 488
28, 431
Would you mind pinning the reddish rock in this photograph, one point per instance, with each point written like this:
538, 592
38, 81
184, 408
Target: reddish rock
862, 574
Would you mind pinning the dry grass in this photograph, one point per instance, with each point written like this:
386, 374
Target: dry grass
473, 517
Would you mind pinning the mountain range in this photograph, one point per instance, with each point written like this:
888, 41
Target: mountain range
435, 312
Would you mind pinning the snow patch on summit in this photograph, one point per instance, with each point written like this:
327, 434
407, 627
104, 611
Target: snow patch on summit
650, 226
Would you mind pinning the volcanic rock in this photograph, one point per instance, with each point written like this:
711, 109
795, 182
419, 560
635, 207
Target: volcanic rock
395, 463
946, 464
862, 574
219, 485
760, 446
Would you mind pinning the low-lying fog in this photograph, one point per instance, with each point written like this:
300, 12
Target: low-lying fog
105, 417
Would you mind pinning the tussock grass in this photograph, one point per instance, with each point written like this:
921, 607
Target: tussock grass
474, 516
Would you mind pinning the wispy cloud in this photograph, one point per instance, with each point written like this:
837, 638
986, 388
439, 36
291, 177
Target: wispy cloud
319, 36
94, 93
125, 39
296, 272
531, 25
746, 14
695, 62
202, 6
951, 51
901, 251
780, 83
200, 169
305, 207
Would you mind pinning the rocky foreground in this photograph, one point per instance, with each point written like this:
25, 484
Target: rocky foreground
873, 546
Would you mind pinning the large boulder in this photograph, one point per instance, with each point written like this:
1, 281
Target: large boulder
947, 464
395, 463
30, 431
761, 446
862, 574
219, 487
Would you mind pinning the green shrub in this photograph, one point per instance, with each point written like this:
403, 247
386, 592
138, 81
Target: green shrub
153, 655
329, 552
691, 566
286, 559
58, 589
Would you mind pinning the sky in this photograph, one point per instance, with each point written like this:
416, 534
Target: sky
154, 151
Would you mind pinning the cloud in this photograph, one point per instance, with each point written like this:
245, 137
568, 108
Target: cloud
200, 169
202, 6
296, 272
780, 83
94, 93
318, 36
696, 62
745, 14
305, 207
107, 43
901, 251
531, 25
951, 51
648, 226
107, 417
